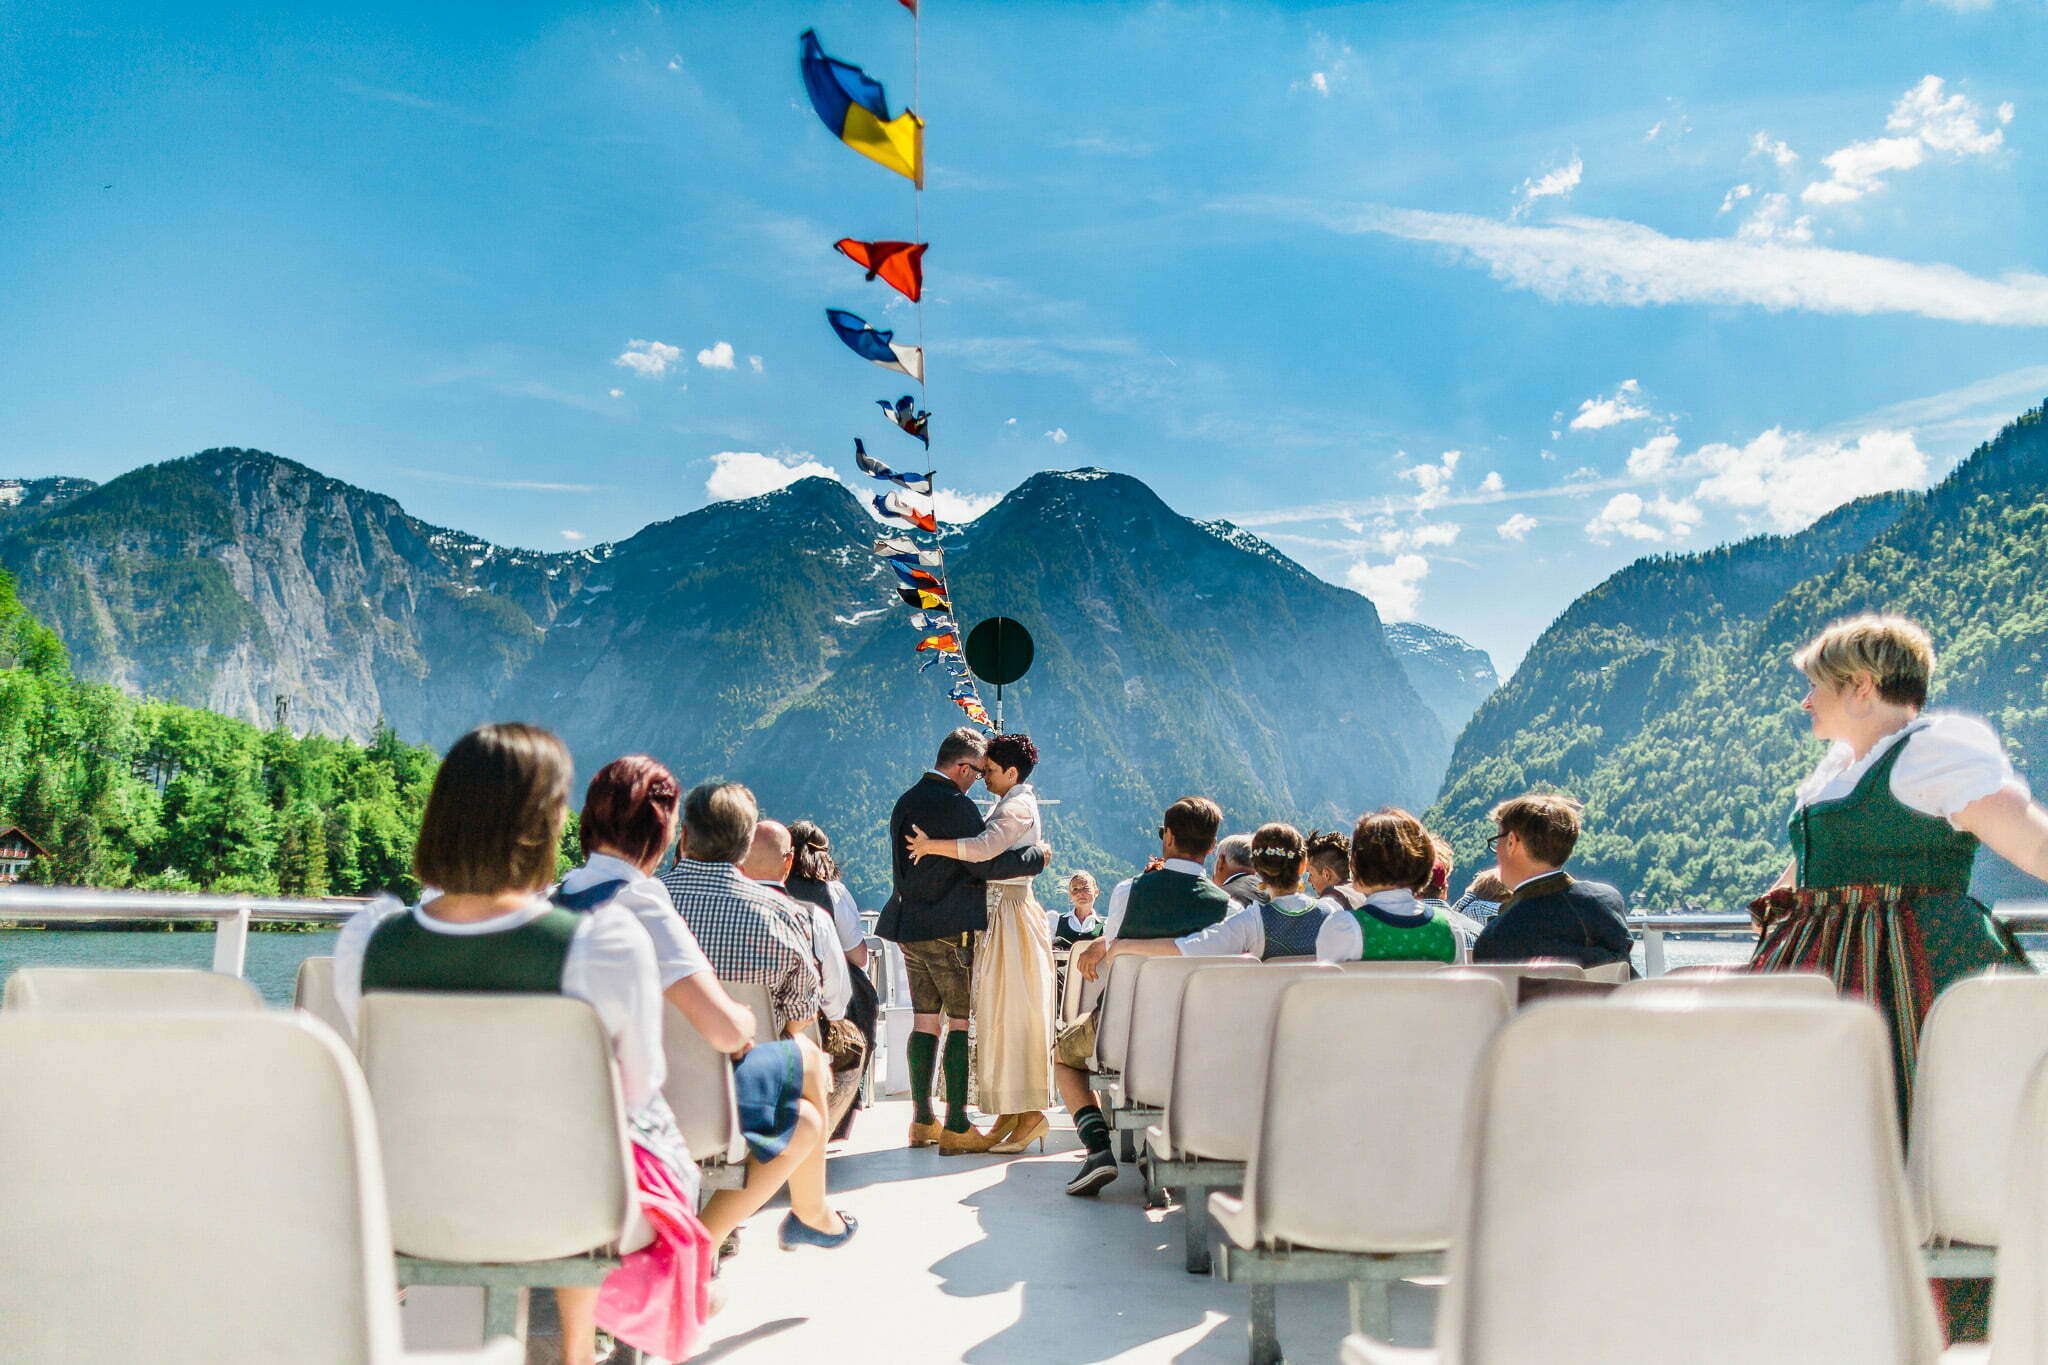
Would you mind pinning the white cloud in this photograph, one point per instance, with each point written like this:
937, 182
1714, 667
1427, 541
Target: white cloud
1736, 194
1319, 81
1584, 471
648, 359
1394, 587
1492, 483
675, 64
616, 393
1516, 527
1924, 120
1058, 436
573, 536
1628, 514
749, 473
1333, 61
1774, 150
1418, 536
1551, 184
754, 364
1618, 263
1774, 221
959, 507
1623, 405
1433, 480
1794, 478
716, 356
1009, 421
1653, 457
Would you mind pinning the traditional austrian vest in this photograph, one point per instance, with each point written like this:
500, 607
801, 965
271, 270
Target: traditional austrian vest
1291, 932
1065, 935
1387, 936
405, 955
1167, 904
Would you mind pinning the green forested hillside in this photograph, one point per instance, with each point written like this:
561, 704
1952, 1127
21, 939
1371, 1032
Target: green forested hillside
124, 792
1665, 700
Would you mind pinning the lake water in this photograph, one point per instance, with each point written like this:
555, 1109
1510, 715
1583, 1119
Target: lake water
272, 963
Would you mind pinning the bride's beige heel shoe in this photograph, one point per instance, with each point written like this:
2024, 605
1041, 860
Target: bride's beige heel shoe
1004, 1126
1029, 1128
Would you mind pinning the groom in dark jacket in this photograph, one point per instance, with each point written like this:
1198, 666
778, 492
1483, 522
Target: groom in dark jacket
1549, 913
937, 907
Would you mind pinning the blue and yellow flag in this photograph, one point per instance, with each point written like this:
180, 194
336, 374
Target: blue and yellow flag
852, 105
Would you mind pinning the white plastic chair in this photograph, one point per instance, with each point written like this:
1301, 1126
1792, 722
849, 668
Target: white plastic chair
1614, 973
192, 1189
125, 989
1978, 1049
313, 992
1219, 1081
505, 1150
1147, 1079
1733, 986
1793, 1243
1355, 1162
1393, 968
2019, 1304
699, 1089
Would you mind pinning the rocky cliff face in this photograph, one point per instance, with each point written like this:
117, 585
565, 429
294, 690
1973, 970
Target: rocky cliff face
1452, 677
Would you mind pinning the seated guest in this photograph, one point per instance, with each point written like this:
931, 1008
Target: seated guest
1079, 922
1329, 861
768, 862
1168, 901
1376, 918
487, 842
1431, 893
1234, 870
814, 877
1283, 922
1482, 898
1548, 913
750, 933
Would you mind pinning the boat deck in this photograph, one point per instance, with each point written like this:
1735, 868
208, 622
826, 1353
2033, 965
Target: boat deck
986, 1260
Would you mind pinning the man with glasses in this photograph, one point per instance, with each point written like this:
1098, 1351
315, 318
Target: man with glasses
936, 909
1549, 913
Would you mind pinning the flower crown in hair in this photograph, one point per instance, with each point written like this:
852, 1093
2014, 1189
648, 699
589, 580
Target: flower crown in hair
1269, 851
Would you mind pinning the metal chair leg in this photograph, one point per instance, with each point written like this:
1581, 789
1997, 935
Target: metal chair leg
1372, 1308
504, 1312
1128, 1145
1265, 1330
1195, 1213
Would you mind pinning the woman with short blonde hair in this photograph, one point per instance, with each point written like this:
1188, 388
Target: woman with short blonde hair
1885, 829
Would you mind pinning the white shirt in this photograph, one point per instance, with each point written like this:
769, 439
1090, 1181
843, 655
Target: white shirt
1340, 940
676, 951
1053, 918
1120, 897
610, 968
835, 986
1241, 931
1950, 762
1012, 823
845, 915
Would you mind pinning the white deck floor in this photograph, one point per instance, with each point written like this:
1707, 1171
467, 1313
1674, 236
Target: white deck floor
986, 1260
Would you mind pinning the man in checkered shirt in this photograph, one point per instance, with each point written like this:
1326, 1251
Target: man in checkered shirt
747, 931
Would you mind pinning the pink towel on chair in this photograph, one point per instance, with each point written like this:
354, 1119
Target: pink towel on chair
658, 1298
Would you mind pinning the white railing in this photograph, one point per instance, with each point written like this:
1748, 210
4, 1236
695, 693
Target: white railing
2021, 916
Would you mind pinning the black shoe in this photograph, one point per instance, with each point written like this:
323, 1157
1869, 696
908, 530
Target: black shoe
1098, 1170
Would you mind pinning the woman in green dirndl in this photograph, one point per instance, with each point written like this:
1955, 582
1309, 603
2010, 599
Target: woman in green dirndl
1884, 831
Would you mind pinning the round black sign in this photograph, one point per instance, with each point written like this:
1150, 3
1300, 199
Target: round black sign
999, 651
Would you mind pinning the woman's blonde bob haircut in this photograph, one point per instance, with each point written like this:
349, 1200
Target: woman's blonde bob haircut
1892, 651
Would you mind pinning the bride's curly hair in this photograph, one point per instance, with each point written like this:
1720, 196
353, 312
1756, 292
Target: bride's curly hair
1013, 751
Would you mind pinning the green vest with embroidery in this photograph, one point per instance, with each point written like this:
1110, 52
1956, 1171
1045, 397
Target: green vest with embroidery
404, 955
1429, 940
1169, 904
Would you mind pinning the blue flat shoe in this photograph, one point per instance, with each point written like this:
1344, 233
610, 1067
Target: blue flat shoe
796, 1232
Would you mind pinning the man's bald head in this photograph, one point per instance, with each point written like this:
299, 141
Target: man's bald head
768, 857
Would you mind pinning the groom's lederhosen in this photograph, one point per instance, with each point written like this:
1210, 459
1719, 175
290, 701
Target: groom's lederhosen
941, 972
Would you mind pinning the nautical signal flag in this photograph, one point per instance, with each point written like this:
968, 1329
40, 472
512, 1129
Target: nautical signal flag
948, 643
893, 547
904, 413
919, 600
916, 483
900, 508
900, 265
871, 344
853, 107
931, 620
918, 578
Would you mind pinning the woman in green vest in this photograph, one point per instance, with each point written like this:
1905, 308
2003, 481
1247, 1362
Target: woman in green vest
1377, 917
1883, 832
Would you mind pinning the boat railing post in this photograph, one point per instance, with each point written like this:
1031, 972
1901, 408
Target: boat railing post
1653, 952
231, 940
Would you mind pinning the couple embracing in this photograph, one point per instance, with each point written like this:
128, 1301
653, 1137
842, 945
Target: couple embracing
975, 942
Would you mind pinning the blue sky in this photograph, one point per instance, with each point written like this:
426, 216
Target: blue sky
1661, 275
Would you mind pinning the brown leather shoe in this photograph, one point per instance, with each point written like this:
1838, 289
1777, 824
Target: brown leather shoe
924, 1134
960, 1144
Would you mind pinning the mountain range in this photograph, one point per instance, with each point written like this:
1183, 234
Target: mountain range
761, 640
1664, 698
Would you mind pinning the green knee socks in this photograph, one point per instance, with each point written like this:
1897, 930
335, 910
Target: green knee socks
922, 1053
956, 1080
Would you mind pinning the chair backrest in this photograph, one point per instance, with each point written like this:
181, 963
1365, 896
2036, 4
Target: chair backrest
1735, 985
500, 1118
122, 989
1155, 1024
699, 1088
1757, 1137
1219, 1062
1113, 1018
313, 992
1614, 973
1367, 1092
2019, 1307
1392, 967
189, 1187
1978, 1049
1515, 971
